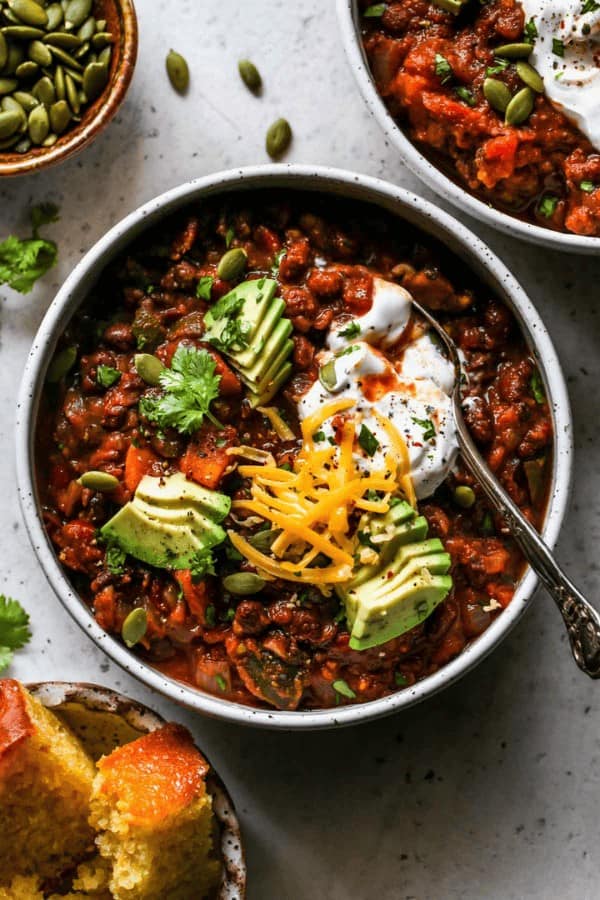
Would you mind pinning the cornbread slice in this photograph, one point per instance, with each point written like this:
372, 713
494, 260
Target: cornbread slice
154, 818
45, 786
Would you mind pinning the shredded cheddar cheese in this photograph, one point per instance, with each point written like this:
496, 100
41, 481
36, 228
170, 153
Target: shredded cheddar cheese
311, 506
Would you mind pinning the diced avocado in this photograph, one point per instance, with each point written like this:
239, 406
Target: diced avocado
270, 391
175, 491
381, 620
246, 358
156, 543
270, 351
169, 521
256, 296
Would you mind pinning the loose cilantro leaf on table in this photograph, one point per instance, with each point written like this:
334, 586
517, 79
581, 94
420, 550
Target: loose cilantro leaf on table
14, 630
189, 386
23, 261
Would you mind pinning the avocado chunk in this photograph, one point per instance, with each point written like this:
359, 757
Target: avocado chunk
168, 522
412, 530
272, 387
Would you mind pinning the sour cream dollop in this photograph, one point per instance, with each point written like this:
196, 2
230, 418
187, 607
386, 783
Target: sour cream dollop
414, 394
571, 81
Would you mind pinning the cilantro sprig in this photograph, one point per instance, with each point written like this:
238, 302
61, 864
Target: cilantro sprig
190, 386
14, 629
23, 261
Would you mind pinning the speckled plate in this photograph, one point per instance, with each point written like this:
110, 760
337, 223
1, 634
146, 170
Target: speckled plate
103, 720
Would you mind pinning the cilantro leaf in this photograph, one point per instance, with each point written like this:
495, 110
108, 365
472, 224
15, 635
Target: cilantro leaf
22, 262
537, 387
106, 376
547, 206
14, 630
278, 257
351, 330
114, 559
235, 332
368, 441
189, 386
204, 287
443, 69
203, 563
427, 426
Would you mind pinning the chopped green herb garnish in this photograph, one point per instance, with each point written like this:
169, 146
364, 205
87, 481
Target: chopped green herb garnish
204, 287
530, 31
587, 186
547, 206
537, 387
364, 538
400, 680
285, 466
558, 47
375, 11
221, 683
487, 525
189, 386
114, 559
443, 69
229, 236
210, 616
500, 65
22, 262
278, 257
351, 330
590, 6
14, 630
347, 350
466, 95
318, 436
368, 441
427, 426
343, 688
106, 376
235, 333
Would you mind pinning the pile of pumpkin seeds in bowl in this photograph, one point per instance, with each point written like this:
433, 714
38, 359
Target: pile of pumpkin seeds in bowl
54, 61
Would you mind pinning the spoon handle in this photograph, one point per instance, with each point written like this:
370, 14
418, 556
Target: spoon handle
581, 619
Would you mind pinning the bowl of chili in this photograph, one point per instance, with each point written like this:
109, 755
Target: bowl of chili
264, 640
424, 74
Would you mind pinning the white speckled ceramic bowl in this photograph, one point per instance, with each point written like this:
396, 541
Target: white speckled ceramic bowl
407, 207
432, 176
122, 720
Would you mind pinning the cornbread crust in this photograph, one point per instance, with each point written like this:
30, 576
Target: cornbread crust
45, 784
154, 818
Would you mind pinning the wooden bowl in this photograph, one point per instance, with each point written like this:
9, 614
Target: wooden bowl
121, 20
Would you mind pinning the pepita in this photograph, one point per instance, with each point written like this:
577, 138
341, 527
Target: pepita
279, 137
9, 143
62, 363
514, 51
101, 40
100, 24
520, 107
243, 584
60, 86
464, 496
27, 100
327, 375
83, 51
44, 91
50, 140
60, 116
63, 39
27, 70
23, 146
38, 125
250, 75
28, 12
95, 77
55, 16
76, 12
3, 50
104, 56
66, 58
263, 540
232, 264
149, 368
178, 71
87, 29
16, 55
22, 32
134, 627
72, 94
530, 76
497, 94
98, 481
8, 85
9, 123
39, 53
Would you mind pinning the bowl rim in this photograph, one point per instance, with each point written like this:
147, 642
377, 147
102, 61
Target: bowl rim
98, 698
428, 173
76, 139
435, 222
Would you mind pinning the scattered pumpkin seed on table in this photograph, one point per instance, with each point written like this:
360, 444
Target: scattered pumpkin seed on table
250, 75
279, 137
54, 61
178, 71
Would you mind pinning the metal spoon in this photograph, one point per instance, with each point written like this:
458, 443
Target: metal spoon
580, 617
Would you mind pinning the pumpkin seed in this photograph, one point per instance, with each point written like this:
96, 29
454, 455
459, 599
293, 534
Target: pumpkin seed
8, 85
66, 58
23, 146
50, 140
62, 363
16, 55
83, 51
464, 496
263, 540
514, 51
243, 583
44, 91
98, 481
38, 125
10, 16
148, 367
76, 76
10, 105
530, 76
232, 264
72, 94
60, 86
327, 375
279, 137
135, 626
87, 30
250, 75
101, 40
60, 116
497, 94
104, 56
9, 123
28, 12
55, 16
95, 77
76, 12
520, 107
27, 100
178, 71
22, 32
27, 69
9, 142
39, 53
63, 39
3, 50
